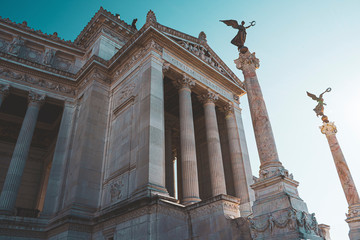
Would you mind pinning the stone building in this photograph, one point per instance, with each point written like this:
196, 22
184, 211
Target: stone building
135, 134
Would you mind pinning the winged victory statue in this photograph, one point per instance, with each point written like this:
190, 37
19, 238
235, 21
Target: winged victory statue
240, 38
319, 109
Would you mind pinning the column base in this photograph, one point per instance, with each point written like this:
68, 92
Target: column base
279, 212
190, 200
150, 190
353, 219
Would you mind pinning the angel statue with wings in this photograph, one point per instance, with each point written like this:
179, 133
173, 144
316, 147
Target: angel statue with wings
239, 39
319, 109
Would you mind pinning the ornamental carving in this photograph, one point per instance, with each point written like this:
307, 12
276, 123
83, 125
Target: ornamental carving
49, 56
4, 89
184, 82
267, 173
16, 45
328, 128
34, 97
126, 92
36, 81
116, 190
290, 219
150, 17
228, 109
151, 45
209, 97
247, 62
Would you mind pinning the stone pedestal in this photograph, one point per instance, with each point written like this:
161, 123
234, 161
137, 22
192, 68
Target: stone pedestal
278, 211
347, 183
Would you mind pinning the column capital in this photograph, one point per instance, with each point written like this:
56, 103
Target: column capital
247, 62
166, 67
209, 97
37, 98
4, 89
228, 109
184, 82
328, 128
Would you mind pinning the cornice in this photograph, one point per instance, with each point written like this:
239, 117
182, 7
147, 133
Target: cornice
24, 27
101, 17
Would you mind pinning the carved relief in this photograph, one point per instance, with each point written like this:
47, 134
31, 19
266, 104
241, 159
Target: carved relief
116, 190
49, 56
33, 55
16, 45
126, 92
62, 64
36, 81
290, 219
3, 45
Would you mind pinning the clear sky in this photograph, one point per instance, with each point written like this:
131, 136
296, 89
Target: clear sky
302, 46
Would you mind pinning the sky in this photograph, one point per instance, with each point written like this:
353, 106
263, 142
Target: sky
302, 46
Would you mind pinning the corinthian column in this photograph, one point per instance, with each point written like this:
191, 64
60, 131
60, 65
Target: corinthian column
4, 91
239, 176
217, 175
248, 63
13, 177
347, 182
190, 184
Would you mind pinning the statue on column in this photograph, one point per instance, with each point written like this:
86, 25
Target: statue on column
319, 109
240, 38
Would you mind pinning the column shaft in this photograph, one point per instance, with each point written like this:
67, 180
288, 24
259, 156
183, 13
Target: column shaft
190, 185
214, 150
169, 162
342, 168
241, 189
13, 178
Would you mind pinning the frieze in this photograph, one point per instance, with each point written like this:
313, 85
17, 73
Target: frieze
290, 220
195, 75
36, 81
151, 45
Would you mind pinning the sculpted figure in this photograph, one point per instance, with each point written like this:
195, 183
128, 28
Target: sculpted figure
16, 45
49, 56
240, 38
319, 109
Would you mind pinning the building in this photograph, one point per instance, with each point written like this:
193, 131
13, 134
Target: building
135, 134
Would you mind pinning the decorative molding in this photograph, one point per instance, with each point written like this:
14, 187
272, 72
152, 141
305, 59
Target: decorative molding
37, 82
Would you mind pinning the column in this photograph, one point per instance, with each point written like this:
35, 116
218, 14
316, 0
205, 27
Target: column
248, 63
58, 165
20, 154
169, 162
239, 175
190, 184
4, 91
347, 182
217, 175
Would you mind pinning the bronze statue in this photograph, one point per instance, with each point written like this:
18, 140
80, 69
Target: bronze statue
319, 109
240, 38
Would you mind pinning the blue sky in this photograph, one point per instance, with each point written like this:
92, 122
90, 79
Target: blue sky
302, 46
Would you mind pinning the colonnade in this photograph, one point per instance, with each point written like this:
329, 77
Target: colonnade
189, 171
17, 164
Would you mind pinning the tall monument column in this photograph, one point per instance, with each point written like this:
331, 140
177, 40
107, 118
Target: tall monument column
190, 184
4, 91
248, 63
347, 182
14, 174
278, 211
217, 174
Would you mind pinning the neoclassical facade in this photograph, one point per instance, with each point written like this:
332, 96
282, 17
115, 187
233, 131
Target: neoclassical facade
135, 134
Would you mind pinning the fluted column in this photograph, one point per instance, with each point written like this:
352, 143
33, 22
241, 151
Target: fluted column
169, 163
13, 177
239, 176
190, 184
217, 174
248, 63
4, 91
347, 182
